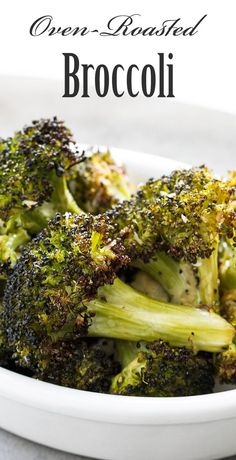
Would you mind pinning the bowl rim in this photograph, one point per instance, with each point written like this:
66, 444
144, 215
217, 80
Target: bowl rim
118, 409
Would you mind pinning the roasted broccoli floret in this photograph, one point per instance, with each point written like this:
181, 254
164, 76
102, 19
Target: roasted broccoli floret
225, 362
99, 182
80, 364
183, 282
60, 290
225, 365
35, 165
4, 352
161, 370
227, 273
199, 203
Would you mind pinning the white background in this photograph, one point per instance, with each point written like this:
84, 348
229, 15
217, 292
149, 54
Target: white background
204, 65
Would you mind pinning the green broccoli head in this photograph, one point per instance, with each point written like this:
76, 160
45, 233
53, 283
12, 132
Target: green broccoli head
4, 352
35, 166
84, 365
99, 182
58, 272
225, 365
30, 162
161, 370
193, 208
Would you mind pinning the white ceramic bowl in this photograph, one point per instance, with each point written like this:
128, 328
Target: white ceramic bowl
120, 427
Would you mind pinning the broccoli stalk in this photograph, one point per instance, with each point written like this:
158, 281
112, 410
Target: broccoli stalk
176, 277
209, 280
185, 283
157, 369
9, 245
122, 312
144, 283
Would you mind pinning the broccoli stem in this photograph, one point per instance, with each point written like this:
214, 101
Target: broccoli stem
227, 267
62, 197
123, 313
225, 365
9, 244
177, 278
180, 282
126, 351
120, 189
144, 283
208, 280
62, 201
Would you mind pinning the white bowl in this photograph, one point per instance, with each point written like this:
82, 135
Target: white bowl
120, 427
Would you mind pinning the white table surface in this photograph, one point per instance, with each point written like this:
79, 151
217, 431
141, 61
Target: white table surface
183, 132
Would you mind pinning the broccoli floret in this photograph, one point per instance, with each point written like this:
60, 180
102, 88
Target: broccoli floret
35, 165
99, 182
80, 364
194, 203
227, 272
189, 211
4, 351
161, 370
60, 290
225, 365
184, 193
225, 362
199, 203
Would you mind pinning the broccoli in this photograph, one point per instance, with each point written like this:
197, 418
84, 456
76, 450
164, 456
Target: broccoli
227, 272
157, 369
199, 203
225, 365
99, 182
177, 278
35, 165
61, 289
192, 196
144, 283
225, 362
4, 352
84, 365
